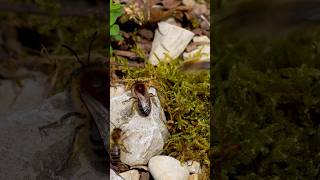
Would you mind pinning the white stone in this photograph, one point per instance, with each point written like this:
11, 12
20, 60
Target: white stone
193, 177
114, 175
130, 175
202, 50
167, 168
201, 39
169, 42
172, 21
145, 136
189, 3
193, 167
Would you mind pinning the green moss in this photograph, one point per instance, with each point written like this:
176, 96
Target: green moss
268, 105
185, 99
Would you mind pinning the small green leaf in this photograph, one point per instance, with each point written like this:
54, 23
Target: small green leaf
118, 37
114, 30
115, 12
113, 17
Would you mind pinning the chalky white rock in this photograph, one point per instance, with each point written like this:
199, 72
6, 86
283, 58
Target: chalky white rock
202, 50
167, 168
169, 41
130, 175
194, 167
145, 136
114, 175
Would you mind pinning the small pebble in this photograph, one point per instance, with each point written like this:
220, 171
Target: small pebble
193, 167
167, 168
189, 3
130, 175
145, 176
193, 177
201, 39
114, 175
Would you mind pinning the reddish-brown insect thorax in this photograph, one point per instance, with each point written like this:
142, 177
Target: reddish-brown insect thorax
140, 88
116, 134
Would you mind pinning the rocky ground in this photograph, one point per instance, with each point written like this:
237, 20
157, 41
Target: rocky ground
161, 31
32, 96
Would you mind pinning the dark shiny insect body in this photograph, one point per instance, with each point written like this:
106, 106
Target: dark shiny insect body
117, 137
143, 98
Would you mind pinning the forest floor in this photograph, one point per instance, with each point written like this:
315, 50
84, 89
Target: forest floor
184, 90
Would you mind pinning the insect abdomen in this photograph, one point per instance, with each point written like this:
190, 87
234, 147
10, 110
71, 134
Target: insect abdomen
144, 106
115, 153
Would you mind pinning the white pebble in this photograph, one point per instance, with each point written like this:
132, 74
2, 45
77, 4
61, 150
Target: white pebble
193, 167
131, 175
167, 168
114, 175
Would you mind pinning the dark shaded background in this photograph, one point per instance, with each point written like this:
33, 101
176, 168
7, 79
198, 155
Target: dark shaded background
266, 80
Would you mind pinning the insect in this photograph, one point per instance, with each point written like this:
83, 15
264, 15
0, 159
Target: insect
88, 87
140, 93
117, 137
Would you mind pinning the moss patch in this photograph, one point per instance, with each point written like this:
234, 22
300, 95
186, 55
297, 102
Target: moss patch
267, 107
185, 99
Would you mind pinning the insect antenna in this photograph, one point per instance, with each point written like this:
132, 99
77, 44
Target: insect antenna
74, 53
90, 45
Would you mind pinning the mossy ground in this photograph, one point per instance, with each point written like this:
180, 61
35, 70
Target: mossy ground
185, 100
267, 107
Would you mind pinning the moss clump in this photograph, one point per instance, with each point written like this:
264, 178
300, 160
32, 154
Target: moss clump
267, 108
185, 99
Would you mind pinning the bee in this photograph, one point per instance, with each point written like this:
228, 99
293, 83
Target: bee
140, 93
88, 88
117, 137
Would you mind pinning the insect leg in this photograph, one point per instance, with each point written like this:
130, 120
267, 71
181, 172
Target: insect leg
133, 107
128, 100
124, 149
122, 146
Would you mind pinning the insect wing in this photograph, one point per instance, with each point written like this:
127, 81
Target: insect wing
144, 103
100, 114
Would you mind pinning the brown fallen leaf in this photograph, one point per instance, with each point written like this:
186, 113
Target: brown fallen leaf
158, 13
146, 33
195, 65
194, 45
127, 54
170, 4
